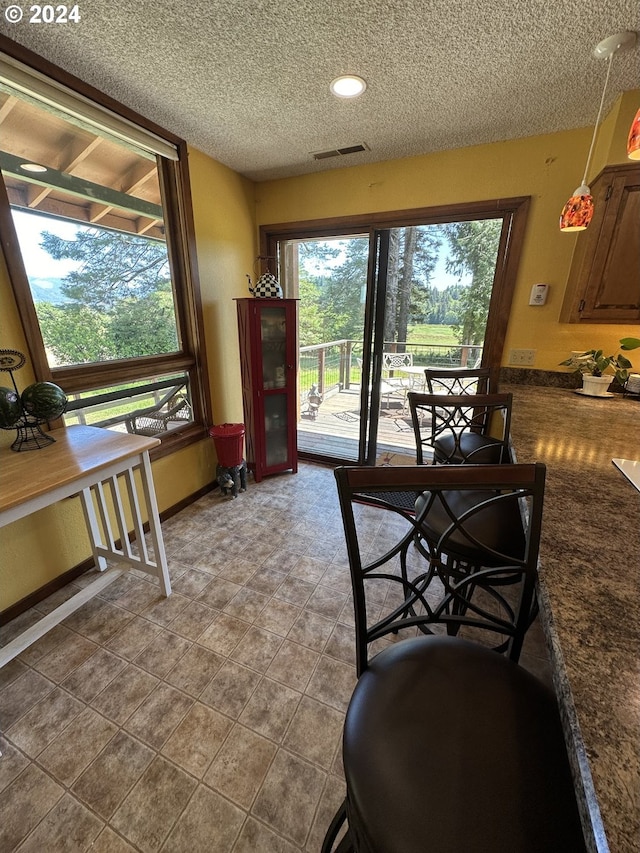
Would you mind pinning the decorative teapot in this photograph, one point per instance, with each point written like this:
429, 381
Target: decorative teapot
266, 287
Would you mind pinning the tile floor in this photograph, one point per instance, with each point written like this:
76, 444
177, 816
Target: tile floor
208, 721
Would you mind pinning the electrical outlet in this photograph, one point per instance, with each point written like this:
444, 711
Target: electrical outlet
522, 356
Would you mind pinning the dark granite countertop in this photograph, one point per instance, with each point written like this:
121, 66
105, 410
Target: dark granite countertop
590, 593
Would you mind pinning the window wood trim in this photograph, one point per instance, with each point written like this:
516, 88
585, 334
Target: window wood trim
175, 187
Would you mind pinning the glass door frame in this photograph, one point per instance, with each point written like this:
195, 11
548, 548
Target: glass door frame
512, 211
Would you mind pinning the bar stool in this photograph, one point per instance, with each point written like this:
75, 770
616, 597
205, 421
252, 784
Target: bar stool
459, 380
448, 746
461, 428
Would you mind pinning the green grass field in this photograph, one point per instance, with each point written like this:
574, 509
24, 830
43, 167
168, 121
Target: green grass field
427, 334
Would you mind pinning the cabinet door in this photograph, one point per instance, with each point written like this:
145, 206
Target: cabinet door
268, 360
605, 277
277, 343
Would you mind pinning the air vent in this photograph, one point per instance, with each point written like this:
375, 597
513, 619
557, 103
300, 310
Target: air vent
340, 152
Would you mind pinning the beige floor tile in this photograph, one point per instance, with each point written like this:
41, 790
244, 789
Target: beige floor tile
157, 717
12, 762
332, 798
311, 630
278, 617
309, 569
326, 601
270, 709
209, 823
106, 623
93, 675
230, 689
315, 732
150, 810
136, 636
109, 842
68, 827
294, 591
66, 656
224, 634
24, 803
193, 620
239, 569
240, 766
165, 611
108, 780
257, 649
197, 739
293, 665
21, 694
342, 644
255, 836
332, 683
288, 798
282, 560
11, 671
43, 723
246, 604
195, 670
191, 583
163, 653
36, 651
124, 694
219, 593
266, 580
12, 629
76, 747
138, 597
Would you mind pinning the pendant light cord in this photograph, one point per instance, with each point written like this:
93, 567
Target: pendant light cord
595, 129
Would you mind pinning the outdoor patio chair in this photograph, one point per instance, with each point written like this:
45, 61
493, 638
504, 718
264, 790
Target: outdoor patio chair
175, 406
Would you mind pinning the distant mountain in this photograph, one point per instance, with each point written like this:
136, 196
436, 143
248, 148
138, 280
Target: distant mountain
48, 290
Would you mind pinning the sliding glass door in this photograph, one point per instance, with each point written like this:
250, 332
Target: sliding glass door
377, 306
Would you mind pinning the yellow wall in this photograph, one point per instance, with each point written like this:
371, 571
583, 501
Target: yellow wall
227, 212
547, 168
37, 549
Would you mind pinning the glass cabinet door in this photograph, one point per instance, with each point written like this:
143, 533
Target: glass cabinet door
273, 336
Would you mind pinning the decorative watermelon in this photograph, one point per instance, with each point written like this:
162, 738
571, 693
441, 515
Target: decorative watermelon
10, 408
44, 400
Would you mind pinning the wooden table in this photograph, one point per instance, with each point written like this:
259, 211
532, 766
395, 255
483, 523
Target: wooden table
95, 464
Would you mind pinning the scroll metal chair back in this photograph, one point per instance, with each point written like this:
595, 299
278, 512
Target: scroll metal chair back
477, 528
448, 745
458, 380
457, 429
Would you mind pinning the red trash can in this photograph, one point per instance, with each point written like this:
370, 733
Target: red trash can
228, 439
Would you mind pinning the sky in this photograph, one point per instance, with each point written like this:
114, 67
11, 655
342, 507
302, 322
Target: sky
41, 267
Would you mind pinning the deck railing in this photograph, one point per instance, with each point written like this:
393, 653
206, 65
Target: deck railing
336, 365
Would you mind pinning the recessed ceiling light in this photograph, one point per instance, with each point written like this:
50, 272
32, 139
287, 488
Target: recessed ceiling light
33, 167
348, 86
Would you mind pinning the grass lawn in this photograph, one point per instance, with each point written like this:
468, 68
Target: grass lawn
428, 334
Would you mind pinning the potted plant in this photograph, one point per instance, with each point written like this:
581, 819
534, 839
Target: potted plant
598, 369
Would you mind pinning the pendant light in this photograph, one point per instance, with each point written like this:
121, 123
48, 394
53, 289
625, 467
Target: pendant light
633, 143
577, 212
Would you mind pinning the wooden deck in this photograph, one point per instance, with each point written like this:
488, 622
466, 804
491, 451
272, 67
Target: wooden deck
335, 432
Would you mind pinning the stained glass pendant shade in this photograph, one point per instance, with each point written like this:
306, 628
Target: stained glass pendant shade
633, 143
578, 211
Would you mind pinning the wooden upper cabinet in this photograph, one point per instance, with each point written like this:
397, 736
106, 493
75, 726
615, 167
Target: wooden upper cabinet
604, 282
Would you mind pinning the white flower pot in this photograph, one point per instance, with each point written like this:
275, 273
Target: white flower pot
595, 386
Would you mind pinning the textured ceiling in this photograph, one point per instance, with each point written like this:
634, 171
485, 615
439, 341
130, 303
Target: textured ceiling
247, 81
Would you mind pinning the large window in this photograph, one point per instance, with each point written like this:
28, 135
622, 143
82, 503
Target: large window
101, 267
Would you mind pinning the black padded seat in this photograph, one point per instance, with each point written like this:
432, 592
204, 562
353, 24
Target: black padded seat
498, 781
468, 447
498, 526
